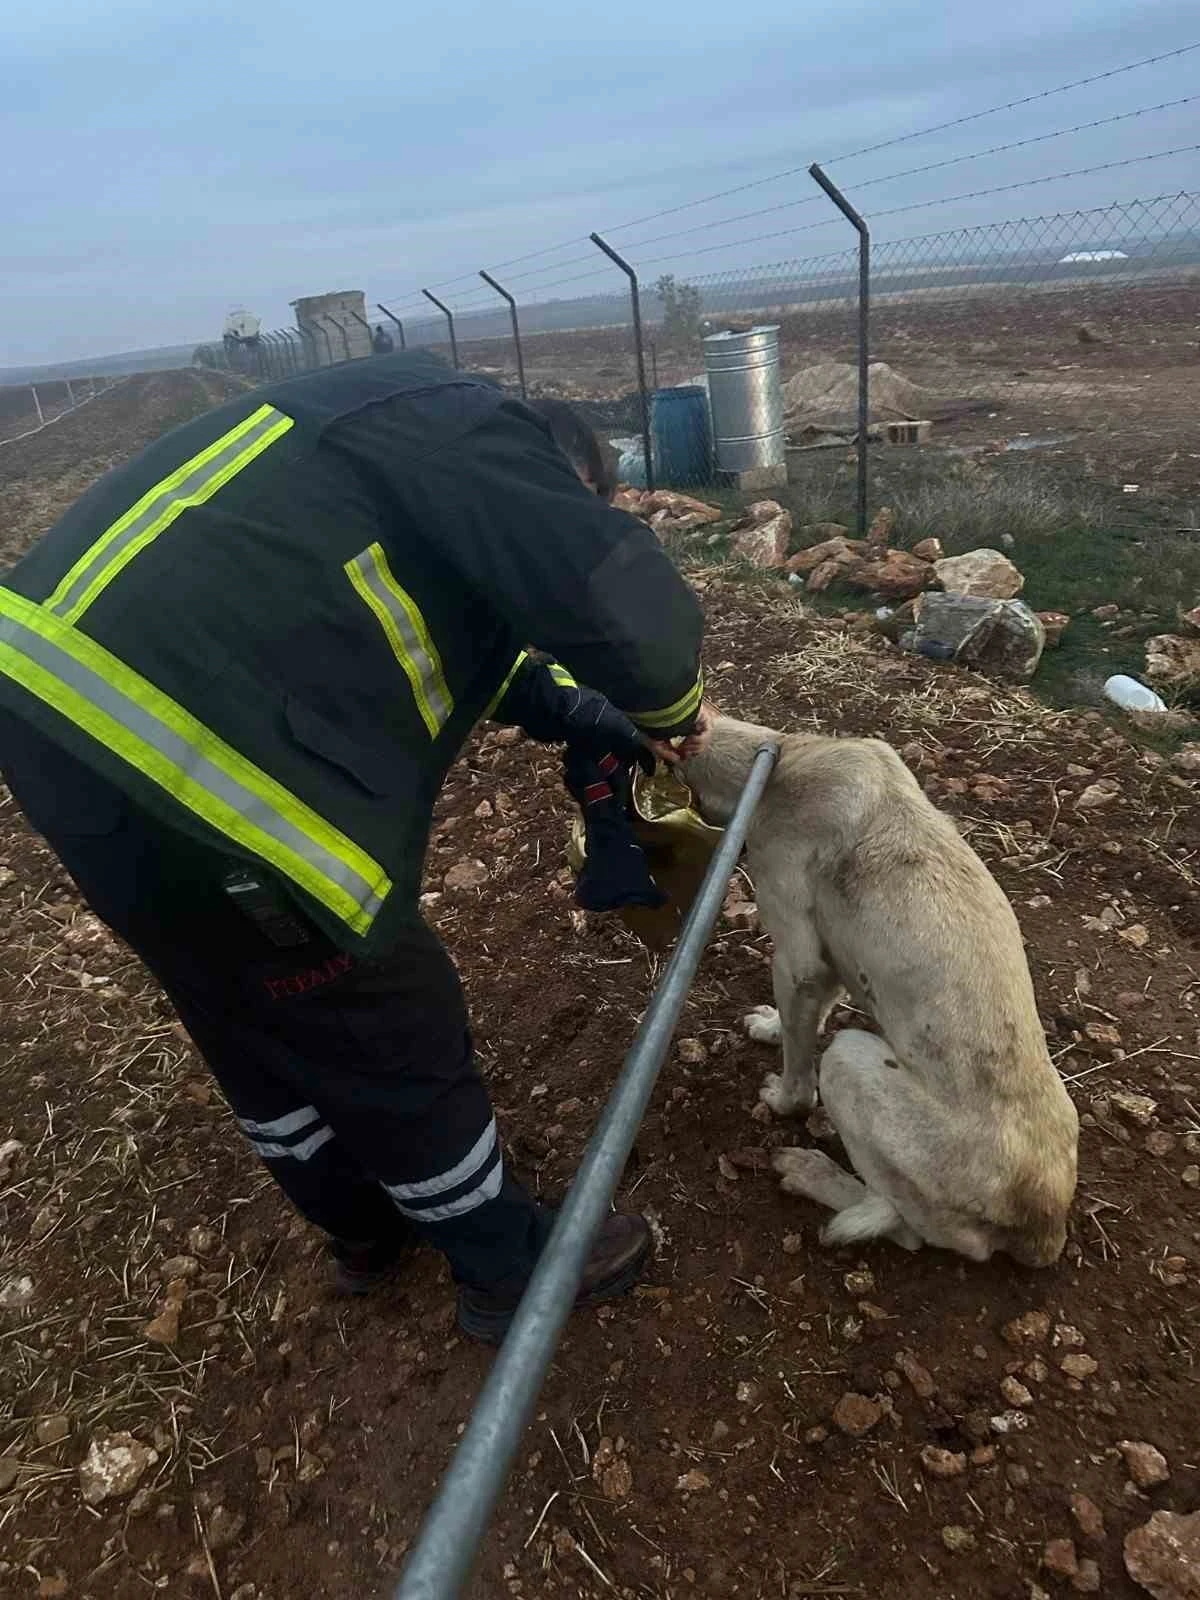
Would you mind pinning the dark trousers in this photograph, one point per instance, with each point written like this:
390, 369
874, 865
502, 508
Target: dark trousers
355, 1082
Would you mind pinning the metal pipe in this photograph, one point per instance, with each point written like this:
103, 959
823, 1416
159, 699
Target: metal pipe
864, 331
396, 320
313, 357
516, 326
363, 323
270, 352
293, 360
449, 316
319, 324
636, 303
450, 1536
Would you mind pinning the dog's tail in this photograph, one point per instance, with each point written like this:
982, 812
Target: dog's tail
872, 1217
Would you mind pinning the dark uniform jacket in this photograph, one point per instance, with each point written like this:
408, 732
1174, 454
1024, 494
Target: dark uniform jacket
276, 627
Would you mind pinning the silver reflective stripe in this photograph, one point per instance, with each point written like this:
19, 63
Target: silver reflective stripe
480, 1195
282, 1126
298, 1152
453, 1176
191, 764
165, 504
416, 651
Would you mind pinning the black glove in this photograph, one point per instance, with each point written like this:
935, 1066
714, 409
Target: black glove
594, 727
615, 870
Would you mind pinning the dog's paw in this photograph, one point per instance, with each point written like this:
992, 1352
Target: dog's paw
800, 1170
780, 1101
763, 1025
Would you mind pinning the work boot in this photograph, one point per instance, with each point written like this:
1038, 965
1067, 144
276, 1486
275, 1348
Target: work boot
361, 1266
618, 1254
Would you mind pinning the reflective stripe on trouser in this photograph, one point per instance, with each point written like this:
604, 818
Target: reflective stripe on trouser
191, 484
121, 710
404, 627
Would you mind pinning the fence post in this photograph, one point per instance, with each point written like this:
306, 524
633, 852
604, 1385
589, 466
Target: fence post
396, 320
70, 396
636, 304
516, 326
341, 328
37, 405
293, 363
363, 323
864, 331
449, 316
319, 324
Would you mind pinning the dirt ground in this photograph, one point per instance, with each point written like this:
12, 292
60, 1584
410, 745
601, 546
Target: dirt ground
692, 1438
1123, 398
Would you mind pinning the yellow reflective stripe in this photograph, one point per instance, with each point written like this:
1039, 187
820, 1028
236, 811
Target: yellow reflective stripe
505, 686
106, 699
562, 677
196, 481
400, 618
686, 706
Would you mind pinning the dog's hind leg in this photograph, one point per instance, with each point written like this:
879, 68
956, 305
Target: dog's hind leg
804, 993
902, 1143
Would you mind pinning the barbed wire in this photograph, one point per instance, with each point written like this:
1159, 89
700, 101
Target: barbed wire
885, 144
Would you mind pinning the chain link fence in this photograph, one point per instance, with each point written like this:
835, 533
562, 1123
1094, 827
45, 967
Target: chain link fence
28, 408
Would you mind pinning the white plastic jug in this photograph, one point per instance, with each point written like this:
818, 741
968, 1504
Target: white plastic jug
1131, 695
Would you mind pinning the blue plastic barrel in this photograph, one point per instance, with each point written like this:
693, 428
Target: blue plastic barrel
681, 439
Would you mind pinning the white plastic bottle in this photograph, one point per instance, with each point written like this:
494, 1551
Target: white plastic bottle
1131, 695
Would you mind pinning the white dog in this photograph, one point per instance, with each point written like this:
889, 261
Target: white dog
955, 1119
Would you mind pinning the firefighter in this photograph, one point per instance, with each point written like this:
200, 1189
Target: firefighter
382, 343
232, 680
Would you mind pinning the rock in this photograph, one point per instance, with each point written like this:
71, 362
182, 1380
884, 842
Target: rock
1089, 333
821, 577
1015, 1393
202, 1240
1027, 1331
928, 550
225, 1528
939, 1463
16, 1293
739, 912
1089, 1519
670, 512
693, 1481
1185, 760
1000, 637
612, 1471
1190, 1176
484, 810
894, 575
859, 1283
919, 1379
1192, 618
1055, 624
691, 1052
163, 1328
1158, 1143
792, 1244
1163, 1555
10, 1467
52, 1430
763, 536
10, 1149
1087, 1579
814, 533
1059, 1557
985, 574
466, 875
845, 552
1135, 1108
1079, 1366
1106, 613
53, 1586
113, 1467
1068, 1337
1146, 1465
957, 1539
1101, 793
1017, 1474
880, 531
856, 1414
1173, 660
1009, 1422
179, 1267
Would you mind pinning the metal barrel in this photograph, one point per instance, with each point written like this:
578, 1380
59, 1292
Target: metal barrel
746, 399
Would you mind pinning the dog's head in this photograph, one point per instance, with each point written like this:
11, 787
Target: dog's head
718, 776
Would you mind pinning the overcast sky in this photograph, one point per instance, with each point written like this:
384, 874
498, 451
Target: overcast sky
178, 159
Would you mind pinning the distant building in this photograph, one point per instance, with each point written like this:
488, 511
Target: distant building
1085, 257
331, 328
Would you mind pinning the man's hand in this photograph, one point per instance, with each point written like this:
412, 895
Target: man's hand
595, 727
691, 745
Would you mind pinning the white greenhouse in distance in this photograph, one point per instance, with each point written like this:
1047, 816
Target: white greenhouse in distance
1080, 257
